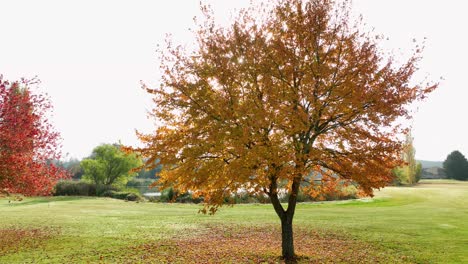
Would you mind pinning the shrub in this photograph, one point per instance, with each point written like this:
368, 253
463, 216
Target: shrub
108, 193
341, 192
153, 199
133, 197
74, 188
167, 195
301, 197
170, 195
330, 189
244, 198
83, 188
101, 189
349, 192
188, 198
128, 196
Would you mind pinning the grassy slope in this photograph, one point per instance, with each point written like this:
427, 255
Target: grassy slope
428, 222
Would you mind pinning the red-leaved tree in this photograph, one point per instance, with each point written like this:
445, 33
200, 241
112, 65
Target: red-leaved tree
28, 142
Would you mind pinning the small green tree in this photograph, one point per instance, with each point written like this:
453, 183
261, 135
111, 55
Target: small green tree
456, 166
411, 172
418, 172
401, 175
109, 165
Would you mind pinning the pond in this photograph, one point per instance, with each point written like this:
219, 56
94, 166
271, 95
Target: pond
152, 194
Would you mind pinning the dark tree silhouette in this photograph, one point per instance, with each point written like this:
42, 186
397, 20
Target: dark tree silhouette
456, 166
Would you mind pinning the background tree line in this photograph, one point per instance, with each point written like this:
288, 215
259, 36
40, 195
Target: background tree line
109, 171
73, 166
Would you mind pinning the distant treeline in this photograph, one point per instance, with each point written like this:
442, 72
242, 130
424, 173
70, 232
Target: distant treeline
76, 171
430, 164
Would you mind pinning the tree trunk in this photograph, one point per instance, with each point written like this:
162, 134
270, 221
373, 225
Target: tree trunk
286, 217
287, 239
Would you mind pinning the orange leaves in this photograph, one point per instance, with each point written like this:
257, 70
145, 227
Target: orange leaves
331, 187
251, 244
15, 239
266, 101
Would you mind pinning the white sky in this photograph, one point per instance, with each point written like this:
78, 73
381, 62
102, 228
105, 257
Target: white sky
91, 56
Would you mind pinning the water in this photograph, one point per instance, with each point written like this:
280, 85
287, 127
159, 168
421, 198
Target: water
152, 194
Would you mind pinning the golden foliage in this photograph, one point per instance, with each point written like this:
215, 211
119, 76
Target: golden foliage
269, 100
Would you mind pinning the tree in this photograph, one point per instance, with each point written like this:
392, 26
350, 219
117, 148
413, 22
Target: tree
108, 165
28, 141
72, 166
151, 173
276, 98
456, 166
410, 173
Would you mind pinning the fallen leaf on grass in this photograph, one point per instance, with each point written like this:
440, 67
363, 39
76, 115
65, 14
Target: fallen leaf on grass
15, 239
240, 244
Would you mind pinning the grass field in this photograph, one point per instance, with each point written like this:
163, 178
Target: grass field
427, 223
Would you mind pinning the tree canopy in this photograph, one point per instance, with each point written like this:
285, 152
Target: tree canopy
108, 165
456, 166
28, 141
286, 92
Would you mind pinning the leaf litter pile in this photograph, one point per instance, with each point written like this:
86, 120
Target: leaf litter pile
16, 239
222, 244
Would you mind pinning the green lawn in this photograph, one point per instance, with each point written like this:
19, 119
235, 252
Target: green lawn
427, 223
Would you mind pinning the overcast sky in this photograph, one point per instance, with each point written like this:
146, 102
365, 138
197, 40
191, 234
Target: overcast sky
91, 56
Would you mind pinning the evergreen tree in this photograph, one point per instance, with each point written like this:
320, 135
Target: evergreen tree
456, 166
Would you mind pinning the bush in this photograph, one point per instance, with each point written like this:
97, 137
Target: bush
153, 199
170, 195
188, 198
133, 197
340, 193
246, 198
101, 189
128, 196
167, 195
108, 193
301, 197
74, 188
82, 188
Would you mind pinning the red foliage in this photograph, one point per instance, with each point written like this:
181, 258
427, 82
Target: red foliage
28, 142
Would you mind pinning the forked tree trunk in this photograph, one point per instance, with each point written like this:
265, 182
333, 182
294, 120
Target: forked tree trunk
286, 217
